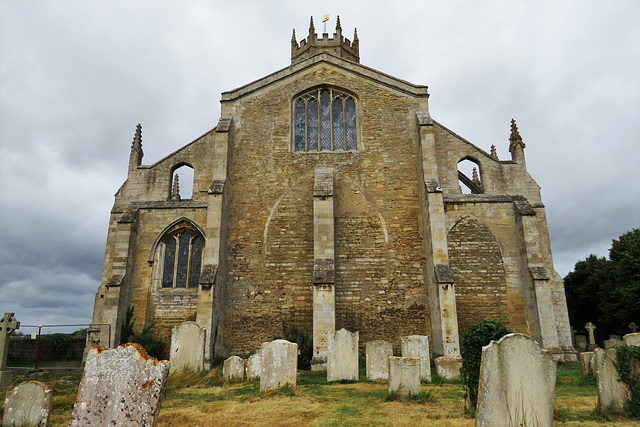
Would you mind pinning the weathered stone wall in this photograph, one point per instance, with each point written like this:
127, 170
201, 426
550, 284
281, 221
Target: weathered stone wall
379, 284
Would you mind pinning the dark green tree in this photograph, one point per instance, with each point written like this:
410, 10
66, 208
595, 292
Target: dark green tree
607, 291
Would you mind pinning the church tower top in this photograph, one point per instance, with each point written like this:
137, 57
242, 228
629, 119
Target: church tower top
313, 45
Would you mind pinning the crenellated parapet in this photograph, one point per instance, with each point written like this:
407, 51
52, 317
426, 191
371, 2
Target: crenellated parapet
336, 45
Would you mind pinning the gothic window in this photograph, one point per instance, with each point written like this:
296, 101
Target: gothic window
181, 252
181, 183
325, 120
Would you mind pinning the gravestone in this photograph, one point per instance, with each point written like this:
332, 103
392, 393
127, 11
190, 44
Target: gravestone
233, 369
404, 375
279, 364
517, 383
632, 339
342, 355
252, 366
633, 327
612, 342
581, 342
612, 393
187, 347
8, 324
120, 386
28, 404
417, 346
586, 360
377, 355
447, 367
590, 327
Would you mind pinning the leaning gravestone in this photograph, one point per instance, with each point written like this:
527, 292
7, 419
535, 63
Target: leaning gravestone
342, 355
612, 393
377, 355
252, 366
447, 367
120, 386
28, 404
586, 363
417, 346
8, 324
279, 364
517, 383
187, 347
404, 375
632, 339
233, 369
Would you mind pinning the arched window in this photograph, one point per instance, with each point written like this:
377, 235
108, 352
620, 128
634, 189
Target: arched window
325, 120
181, 183
469, 177
181, 257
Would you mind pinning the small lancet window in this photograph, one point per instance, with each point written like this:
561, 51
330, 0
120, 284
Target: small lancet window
325, 120
182, 183
469, 177
182, 253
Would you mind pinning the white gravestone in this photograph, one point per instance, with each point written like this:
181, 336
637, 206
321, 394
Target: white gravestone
612, 393
233, 369
377, 355
447, 367
120, 386
417, 346
342, 355
28, 404
517, 383
404, 375
187, 347
279, 364
632, 339
252, 366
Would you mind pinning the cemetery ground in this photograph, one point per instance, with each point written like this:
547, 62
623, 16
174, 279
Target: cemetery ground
205, 399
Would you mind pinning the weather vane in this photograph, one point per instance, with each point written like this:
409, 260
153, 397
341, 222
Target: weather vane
325, 18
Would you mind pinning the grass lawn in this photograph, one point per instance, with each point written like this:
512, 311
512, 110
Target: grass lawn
204, 399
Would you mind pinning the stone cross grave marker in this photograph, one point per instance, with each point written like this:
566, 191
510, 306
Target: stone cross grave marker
633, 327
590, 327
120, 386
517, 383
28, 404
8, 324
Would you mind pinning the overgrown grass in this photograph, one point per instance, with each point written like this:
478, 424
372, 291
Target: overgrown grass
203, 398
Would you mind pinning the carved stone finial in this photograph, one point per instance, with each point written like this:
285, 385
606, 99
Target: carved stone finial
312, 28
175, 190
515, 137
355, 35
338, 27
494, 153
475, 177
135, 158
293, 37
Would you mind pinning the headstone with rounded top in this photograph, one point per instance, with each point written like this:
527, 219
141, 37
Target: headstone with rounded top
632, 339
187, 347
28, 404
233, 369
252, 366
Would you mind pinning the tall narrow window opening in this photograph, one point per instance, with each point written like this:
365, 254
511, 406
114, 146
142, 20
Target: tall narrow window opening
181, 183
182, 257
469, 177
324, 120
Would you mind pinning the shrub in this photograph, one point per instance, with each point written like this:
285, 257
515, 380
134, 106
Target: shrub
472, 342
153, 345
628, 367
296, 334
58, 344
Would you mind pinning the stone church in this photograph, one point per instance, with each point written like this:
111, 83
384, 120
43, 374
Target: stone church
328, 197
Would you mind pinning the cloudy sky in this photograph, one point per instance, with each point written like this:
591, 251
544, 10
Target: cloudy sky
77, 76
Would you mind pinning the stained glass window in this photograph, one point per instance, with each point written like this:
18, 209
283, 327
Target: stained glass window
182, 258
325, 120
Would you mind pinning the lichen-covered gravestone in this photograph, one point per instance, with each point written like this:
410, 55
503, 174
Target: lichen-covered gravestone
28, 404
120, 386
252, 366
447, 367
233, 369
279, 362
586, 359
417, 346
517, 383
612, 393
404, 375
342, 355
187, 347
377, 355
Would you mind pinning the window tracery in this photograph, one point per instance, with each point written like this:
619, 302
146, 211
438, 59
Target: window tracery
325, 120
181, 252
